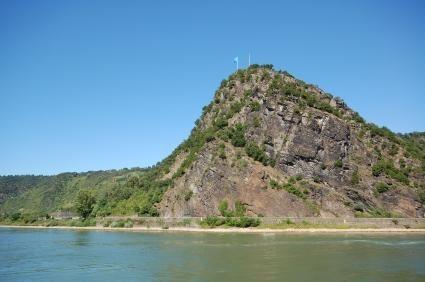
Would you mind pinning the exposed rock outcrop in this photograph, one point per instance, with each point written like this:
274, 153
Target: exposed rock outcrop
284, 148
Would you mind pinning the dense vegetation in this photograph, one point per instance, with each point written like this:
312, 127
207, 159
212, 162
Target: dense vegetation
59, 192
233, 218
13, 185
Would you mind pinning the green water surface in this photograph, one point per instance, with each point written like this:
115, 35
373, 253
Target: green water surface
67, 255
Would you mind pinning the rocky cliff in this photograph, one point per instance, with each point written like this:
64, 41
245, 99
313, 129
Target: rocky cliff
281, 147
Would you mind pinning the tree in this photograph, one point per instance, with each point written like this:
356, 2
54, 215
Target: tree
223, 208
85, 203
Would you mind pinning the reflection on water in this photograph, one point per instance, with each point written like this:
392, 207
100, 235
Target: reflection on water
108, 256
81, 238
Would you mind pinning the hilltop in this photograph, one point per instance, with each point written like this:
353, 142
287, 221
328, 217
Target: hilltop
267, 145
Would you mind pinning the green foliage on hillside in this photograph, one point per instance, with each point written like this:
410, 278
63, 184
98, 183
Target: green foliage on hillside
355, 178
388, 168
85, 203
298, 93
255, 106
237, 135
13, 185
289, 187
257, 153
422, 197
382, 187
338, 163
116, 192
414, 144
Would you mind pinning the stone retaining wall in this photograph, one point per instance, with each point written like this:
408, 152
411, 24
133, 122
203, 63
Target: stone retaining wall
350, 222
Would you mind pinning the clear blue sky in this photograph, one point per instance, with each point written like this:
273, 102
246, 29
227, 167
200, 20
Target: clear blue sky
88, 85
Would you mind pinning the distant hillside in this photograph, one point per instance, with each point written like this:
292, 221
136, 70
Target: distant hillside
14, 185
41, 194
267, 145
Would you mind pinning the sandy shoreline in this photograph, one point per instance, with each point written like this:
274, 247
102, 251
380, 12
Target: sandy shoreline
227, 230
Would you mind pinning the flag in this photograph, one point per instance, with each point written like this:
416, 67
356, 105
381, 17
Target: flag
236, 60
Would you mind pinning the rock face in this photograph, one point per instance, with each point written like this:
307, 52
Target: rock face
285, 148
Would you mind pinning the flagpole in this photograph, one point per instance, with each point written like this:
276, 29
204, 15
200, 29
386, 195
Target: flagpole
249, 59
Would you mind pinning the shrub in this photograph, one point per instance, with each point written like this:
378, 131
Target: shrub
237, 135
390, 170
355, 179
327, 108
293, 190
128, 224
379, 212
122, 223
15, 216
289, 187
274, 184
359, 207
117, 224
289, 222
247, 93
257, 121
222, 207
212, 221
244, 222
377, 169
82, 223
209, 135
393, 150
275, 86
253, 151
267, 66
221, 122
255, 106
382, 187
421, 195
383, 132
188, 194
265, 76
338, 163
358, 118
221, 151
153, 211
240, 208
236, 107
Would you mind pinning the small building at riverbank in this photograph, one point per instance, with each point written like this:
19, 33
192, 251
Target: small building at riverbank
64, 215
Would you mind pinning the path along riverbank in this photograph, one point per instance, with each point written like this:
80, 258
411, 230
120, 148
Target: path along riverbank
229, 230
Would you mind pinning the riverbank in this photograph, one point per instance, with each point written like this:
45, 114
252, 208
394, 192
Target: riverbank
225, 230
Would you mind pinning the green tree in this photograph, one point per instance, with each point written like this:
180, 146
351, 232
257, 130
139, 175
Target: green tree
85, 203
237, 135
223, 207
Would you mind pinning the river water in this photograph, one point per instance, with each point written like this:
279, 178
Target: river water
69, 255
